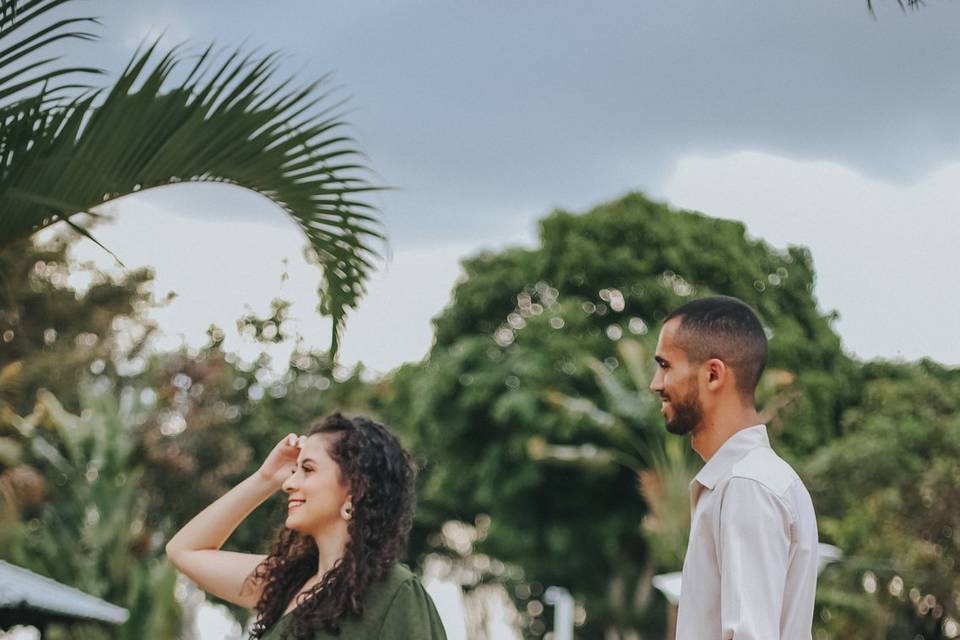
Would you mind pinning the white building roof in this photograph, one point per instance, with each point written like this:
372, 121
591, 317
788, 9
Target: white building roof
20, 588
669, 583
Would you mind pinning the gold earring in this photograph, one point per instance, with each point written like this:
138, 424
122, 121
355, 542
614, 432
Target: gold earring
346, 511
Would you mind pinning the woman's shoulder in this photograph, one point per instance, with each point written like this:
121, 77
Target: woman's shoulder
397, 607
403, 609
382, 593
410, 613
398, 575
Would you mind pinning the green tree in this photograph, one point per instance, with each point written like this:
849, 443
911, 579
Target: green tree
626, 414
55, 337
67, 148
205, 419
54, 334
72, 503
651, 258
92, 532
887, 493
525, 324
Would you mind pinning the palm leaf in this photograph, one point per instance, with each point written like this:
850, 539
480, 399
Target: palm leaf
903, 4
228, 121
21, 66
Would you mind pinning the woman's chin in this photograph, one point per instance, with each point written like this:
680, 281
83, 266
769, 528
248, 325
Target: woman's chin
291, 523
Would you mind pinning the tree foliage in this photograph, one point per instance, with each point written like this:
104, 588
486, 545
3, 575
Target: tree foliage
107, 447
543, 460
526, 324
91, 532
887, 494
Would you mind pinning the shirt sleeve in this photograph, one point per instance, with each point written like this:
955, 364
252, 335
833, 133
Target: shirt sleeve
412, 616
753, 554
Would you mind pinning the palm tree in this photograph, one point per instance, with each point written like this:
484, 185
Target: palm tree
627, 416
67, 147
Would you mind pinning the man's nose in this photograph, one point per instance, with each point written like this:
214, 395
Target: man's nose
656, 385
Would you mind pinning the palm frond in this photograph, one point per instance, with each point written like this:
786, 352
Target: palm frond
228, 121
903, 4
25, 35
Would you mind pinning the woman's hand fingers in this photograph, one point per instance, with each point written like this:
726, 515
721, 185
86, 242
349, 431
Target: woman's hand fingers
293, 440
282, 459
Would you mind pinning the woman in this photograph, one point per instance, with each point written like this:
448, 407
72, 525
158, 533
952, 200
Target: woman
333, 570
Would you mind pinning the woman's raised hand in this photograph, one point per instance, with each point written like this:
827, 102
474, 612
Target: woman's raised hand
281, 462
196, 548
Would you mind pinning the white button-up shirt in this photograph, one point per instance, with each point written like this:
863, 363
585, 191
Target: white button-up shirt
750, 572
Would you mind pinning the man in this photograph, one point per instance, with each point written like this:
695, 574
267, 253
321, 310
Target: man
750, 572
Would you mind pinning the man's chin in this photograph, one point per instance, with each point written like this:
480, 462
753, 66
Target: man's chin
679, 428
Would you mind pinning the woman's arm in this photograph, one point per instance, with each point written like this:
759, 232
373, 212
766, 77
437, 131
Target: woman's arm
195, 549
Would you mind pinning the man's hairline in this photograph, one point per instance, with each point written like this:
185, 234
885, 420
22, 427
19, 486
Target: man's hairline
678, 341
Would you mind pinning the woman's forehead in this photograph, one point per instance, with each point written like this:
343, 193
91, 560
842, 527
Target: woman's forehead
315, 446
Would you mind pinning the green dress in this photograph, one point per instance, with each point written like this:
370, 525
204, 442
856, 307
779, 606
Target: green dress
397, 608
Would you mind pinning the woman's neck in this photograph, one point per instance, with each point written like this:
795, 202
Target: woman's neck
331, 545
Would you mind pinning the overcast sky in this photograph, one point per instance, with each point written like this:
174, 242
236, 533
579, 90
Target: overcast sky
814, 123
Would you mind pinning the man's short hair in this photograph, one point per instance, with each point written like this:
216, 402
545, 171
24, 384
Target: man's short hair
725, 328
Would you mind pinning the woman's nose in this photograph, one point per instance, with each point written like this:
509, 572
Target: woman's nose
289, 484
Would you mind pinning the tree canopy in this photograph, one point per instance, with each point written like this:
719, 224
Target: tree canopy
543, 458
525, 324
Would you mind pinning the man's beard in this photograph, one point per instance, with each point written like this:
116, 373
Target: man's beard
686, 415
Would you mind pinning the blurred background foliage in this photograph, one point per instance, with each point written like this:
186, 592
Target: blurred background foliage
543, 459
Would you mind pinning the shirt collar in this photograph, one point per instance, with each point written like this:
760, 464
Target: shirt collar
730, 452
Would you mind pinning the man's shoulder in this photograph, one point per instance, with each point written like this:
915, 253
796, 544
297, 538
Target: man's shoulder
765, 467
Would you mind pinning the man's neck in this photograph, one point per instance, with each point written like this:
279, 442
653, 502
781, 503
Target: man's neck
714, 431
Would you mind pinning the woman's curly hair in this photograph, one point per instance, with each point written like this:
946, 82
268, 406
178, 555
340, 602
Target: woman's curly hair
380, 475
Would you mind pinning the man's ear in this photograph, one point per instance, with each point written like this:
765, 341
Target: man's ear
717, 373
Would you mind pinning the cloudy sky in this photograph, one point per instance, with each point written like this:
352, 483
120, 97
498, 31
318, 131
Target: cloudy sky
814, 123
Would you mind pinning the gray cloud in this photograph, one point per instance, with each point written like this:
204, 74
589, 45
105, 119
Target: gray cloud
486, 111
